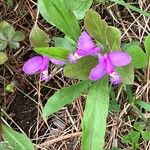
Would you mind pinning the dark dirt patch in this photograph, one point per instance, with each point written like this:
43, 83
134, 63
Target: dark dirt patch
24, 112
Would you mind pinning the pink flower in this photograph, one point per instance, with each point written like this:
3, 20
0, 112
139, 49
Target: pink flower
106, 65
85, 47
39, 64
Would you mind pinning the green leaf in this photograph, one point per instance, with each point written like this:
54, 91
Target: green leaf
126, 45
81, 69
113, 36
9, 2
70, 40
38, 38
146, 135
8, 36
130, 97
2, 37
4, 146
64, 96
95, 116
19, 36
10, 87
139, 126
127, 73
78, 7
54, 52
147, 45
55, 13
139, 58
3, 45
95, 26
114, 106
143, 104
3, 24
14, 44
9, 32
3, 58
17, 140
64, 43
132, 137
115, 148
6, 33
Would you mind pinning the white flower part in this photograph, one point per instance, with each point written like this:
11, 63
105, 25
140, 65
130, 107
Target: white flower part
115, 78
44, 76
72, 58
77, 56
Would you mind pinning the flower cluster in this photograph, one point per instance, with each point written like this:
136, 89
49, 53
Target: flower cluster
106, 63
85, 47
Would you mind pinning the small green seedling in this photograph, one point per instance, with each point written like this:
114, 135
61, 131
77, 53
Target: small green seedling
9, 37
139, 132
10, 87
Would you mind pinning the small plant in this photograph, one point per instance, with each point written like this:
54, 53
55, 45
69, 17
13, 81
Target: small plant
9, 37
16, 140
89, 61
135, 136
94, 55
10, 87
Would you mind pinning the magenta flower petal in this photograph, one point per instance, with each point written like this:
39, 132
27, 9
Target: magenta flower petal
45, 63
57, 62
119, 58
86, 52
109, 67
85, 41
33, 65
86, 46
99, 71
44, 76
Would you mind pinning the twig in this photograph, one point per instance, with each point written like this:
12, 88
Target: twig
50, 142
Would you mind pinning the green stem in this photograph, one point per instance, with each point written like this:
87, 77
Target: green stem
121, 2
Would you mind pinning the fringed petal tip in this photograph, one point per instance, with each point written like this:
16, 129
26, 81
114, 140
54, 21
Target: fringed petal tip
98, 72
115, 78
86, 46
87, 52
44, 76
72, 58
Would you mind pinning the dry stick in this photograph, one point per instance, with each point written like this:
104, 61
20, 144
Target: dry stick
136, 20
61, 138
123, 25
146, 20
71, 120
38, 114
148, 79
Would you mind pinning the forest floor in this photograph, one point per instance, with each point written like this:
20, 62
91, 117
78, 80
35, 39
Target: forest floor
62, 131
